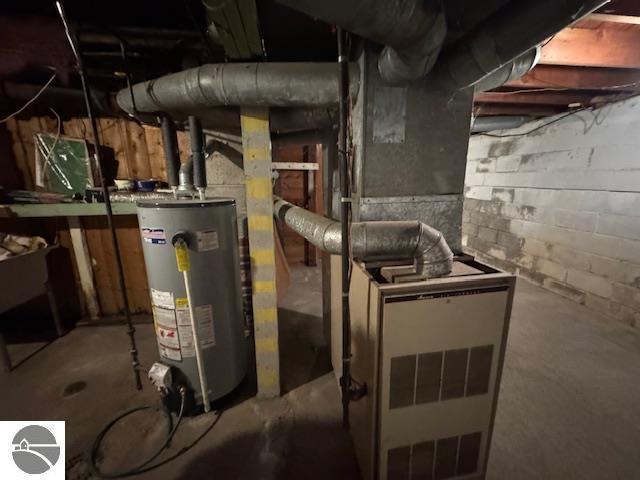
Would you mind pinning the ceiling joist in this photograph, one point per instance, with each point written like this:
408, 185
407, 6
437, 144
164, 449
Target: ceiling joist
605, 46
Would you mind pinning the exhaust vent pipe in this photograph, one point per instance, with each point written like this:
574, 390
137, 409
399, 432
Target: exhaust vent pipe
171, 153
239, 84
411, 30
517, 28
373, 241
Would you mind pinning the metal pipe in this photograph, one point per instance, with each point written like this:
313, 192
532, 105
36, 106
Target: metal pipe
233, 84
182, 255
197, 156
186, 177
105, 191
496, 122
345, 212
373, 241
412, 31
510, 71
171, 152
516, 28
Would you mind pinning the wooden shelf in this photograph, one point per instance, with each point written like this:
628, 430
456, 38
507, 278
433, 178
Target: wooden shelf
64, 209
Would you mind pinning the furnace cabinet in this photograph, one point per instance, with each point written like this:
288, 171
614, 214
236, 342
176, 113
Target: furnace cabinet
431, 353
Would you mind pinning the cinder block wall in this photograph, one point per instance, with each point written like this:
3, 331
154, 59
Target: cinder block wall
561, 207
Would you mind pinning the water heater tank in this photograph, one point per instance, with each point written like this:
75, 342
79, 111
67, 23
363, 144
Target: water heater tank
211, 231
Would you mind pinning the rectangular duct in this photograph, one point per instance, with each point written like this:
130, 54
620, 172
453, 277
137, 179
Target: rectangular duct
409, 151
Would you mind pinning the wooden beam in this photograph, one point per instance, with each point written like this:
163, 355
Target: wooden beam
602, 47
534, 98
481, 109
607, 17
256, 146
579, 78
84, 266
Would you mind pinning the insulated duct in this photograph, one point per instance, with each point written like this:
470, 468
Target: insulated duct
517, 27
373, 241
411, 30
510, 71
234, 84
495, 122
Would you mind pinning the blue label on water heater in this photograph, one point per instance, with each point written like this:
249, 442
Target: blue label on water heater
154, 235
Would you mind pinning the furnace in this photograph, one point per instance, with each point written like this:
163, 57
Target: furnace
430, 352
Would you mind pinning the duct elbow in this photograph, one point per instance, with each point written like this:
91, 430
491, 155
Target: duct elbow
415, 60
433, 255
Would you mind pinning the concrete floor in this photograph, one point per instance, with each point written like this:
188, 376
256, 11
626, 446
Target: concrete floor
569, 406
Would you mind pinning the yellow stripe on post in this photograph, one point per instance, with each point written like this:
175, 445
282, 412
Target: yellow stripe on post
259, 188
266, 345
263, 316
267, 377
257, 154
255, 124
261, 222
263, 257
264, 286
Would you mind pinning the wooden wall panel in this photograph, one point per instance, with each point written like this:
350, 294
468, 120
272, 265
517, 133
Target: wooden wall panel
140, 154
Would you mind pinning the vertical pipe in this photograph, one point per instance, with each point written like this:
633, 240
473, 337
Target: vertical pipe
306, 199
196, 342
171, 152
197, 156
105, 191
343, 89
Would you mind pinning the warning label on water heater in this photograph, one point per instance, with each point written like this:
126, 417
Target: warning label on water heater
162, 299
204, 323
168, 342
154, 235
207, 240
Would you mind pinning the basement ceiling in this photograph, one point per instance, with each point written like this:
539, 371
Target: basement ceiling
593, 62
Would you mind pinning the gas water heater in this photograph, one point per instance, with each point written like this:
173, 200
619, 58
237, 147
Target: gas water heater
206, 231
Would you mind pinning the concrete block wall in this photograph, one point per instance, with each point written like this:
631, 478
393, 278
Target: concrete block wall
561, 207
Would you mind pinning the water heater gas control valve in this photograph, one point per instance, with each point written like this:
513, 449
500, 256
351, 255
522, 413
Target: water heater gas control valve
160, 376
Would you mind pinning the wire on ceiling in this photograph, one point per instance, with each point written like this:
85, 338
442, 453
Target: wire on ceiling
33, 99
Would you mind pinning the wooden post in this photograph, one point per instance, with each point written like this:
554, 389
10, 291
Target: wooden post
85, 270
256, 145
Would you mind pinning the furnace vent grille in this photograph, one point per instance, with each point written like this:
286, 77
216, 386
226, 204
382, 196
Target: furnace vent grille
436, 459
439, 376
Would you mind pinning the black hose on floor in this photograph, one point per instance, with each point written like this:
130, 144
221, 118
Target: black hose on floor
141, 467
145, 467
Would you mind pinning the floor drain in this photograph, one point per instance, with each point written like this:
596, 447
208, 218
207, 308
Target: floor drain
74, 388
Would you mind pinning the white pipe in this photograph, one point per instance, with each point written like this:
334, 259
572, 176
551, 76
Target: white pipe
196, 342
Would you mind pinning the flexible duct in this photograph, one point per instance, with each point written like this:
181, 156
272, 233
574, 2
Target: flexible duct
517, 28
510, 71
373, 241
245, 84
411, 30
495, 122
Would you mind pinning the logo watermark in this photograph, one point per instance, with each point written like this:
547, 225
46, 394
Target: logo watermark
32, 450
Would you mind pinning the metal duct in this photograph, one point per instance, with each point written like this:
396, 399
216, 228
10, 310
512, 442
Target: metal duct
235, 84
516, 28
411, 30
511, 71
490, 123
373, 241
